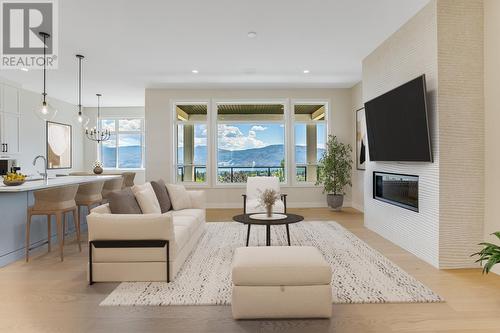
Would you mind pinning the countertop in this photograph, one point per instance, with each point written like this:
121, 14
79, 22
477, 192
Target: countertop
34, 185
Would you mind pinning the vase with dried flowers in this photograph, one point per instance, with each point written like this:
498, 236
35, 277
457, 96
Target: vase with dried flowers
267, 199
98, 167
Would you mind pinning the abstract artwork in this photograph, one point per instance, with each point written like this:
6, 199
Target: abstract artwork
59, 150
361, 139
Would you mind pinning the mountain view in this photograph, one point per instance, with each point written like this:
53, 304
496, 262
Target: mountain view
130, 157
271, 155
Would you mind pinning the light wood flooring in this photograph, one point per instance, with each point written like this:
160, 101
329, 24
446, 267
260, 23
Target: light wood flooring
46, 295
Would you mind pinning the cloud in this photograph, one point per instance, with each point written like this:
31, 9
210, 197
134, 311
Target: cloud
258, 128
231, 138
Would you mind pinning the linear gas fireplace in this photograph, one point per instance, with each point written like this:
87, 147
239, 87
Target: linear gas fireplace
396, 189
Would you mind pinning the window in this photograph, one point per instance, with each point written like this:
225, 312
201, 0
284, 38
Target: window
191, 142
125, 148
310, 137
250, 142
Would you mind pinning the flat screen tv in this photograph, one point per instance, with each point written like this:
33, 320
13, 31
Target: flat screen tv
397, 124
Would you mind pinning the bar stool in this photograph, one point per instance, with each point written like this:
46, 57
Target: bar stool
89, 195
128, 179
54, 201
110, 186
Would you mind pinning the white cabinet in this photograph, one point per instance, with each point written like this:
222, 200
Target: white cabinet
10, 119
10, 132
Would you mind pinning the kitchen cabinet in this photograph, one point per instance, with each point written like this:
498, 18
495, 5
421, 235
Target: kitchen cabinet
10, 120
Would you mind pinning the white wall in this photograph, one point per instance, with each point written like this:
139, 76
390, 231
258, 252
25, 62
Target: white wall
492, 119
90, 147
357, 175
444, 42
33, 137
159, 146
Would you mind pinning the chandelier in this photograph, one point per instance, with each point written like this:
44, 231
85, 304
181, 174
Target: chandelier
96, 133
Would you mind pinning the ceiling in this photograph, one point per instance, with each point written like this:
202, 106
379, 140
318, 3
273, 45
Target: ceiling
133, 45
200, 109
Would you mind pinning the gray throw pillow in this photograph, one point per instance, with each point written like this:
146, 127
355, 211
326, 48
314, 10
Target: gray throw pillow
124, 202
162, 195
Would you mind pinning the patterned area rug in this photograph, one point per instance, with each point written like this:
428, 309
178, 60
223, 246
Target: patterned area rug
360, 273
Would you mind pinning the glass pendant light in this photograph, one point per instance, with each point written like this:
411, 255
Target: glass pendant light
82, 119
45, 111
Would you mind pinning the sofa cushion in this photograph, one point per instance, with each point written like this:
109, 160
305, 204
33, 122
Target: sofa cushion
162, 195
146, 198
280, 266
124, 202
186, 221
179, 196
197, 214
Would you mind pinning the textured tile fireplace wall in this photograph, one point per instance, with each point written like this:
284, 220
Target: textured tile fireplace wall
444, 42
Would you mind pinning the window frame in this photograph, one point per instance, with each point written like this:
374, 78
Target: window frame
212, 140
215, 125
294, 182
176, 122
117, 134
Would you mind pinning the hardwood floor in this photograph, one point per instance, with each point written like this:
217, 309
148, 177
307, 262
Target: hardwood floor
46, 295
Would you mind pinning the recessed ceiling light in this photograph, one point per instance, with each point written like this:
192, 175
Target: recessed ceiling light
252, 34
24, 69
194, 71
306, 71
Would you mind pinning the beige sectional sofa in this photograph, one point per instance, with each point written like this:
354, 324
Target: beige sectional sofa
137, 247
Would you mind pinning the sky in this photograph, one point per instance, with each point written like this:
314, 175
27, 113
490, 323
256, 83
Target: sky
126, 140
249, 136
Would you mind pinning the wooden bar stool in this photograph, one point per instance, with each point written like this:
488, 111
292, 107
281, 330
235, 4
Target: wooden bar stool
54, 201
110, 186
89, 195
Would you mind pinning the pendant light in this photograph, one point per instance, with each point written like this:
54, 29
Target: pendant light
96, 133
45, 111
82, 119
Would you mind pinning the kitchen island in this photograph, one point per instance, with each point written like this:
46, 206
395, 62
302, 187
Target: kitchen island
14, 203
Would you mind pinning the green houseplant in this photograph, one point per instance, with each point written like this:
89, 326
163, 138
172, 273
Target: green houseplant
490, 253
334, 171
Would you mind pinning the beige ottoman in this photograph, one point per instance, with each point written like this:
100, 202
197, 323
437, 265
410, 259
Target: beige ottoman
281, 282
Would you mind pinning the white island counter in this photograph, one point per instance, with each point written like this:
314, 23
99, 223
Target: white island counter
33, 185
14, 203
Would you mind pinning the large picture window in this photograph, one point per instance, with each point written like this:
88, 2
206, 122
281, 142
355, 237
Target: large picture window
222, 143
125, 148
191, 142
250, 142
310, 137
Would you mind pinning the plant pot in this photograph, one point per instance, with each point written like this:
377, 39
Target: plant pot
335, 201
98, 170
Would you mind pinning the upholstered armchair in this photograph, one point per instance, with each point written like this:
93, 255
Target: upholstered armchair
257, 185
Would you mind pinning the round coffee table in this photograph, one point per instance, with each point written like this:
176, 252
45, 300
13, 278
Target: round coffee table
289, 219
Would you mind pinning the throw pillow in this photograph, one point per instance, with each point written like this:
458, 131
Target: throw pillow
162, 195
146, 198
124, 202
179, 196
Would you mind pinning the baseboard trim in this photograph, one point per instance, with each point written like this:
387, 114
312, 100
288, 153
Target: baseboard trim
358, 207
289, 204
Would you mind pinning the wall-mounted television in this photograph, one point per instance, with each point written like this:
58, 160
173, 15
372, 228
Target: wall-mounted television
397, 124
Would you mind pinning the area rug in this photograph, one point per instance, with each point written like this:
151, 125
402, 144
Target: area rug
360, 273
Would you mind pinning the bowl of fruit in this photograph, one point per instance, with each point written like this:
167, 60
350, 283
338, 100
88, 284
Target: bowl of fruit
14, 179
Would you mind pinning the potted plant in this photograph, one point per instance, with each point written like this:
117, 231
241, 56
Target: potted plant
490, 253
334, 171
